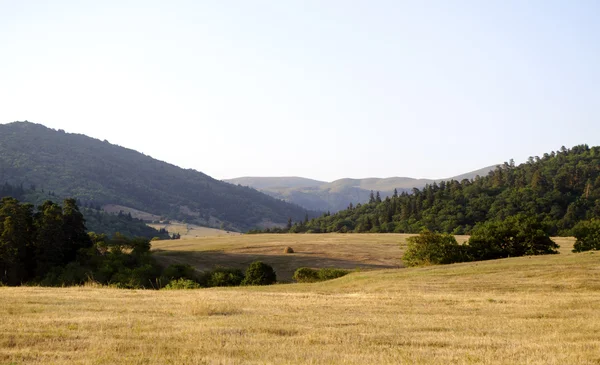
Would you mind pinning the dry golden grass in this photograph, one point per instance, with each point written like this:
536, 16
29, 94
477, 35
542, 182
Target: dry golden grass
192, 231
529, 310
344, 251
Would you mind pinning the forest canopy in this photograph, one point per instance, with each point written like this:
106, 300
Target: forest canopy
559, 189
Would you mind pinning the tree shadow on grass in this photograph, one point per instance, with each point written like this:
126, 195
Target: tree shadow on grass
284, 264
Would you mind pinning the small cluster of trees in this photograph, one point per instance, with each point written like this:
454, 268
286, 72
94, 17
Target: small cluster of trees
181, 276
516, 236
513, 237
32, 243
50, 246
587, 234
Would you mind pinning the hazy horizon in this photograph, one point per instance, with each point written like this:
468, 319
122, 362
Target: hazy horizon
310, 89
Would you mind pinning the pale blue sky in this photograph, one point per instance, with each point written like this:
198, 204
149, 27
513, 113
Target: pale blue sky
321, 89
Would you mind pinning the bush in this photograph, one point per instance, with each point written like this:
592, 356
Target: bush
225, 277
587, 234
182, 284
306, 275
179, 271
330, 274
259, 273
430, 248
513, 237
72, 274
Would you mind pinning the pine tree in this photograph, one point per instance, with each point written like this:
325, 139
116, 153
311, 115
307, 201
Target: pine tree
371, 197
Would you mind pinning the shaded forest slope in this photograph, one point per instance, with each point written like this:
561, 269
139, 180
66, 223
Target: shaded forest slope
100, 173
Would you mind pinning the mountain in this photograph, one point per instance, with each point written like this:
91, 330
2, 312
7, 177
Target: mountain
276, 182
99, 173
337, 195
559, 190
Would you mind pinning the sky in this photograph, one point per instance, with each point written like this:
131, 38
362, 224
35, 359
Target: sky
319, 89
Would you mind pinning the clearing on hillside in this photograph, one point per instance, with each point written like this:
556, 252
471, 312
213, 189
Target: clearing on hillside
191, 230
527, 310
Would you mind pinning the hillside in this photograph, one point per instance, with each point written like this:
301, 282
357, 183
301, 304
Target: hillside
337, 195
528, 310
96, 219
559, 189
101, 173
275, 182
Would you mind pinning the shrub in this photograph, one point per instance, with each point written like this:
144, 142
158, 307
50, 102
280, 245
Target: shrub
306, 275
182, 284
430, 248
330, 274
587, 234
513, 237
259, 273
72, 274
225, 277
178, 271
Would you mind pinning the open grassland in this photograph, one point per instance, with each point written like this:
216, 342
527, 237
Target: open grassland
539, 310
529, 310
344, 251
347, 251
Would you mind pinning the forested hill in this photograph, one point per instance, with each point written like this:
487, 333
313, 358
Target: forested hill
100, 173
560, 189
96, 220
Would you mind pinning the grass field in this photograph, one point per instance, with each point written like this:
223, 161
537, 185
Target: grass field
529, 310
345, 251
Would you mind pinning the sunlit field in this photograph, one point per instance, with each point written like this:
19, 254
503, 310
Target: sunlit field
192, 230
345, 251
529, 310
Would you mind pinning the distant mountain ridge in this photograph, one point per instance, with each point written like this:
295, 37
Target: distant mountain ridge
337, 195
93, 171
276, 182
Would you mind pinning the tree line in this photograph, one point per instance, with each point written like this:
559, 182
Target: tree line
97, 220
50, 246
559, 190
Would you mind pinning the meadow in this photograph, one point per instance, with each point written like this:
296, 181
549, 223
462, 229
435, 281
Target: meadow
527, 310
344, 251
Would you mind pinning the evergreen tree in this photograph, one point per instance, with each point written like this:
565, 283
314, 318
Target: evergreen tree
16, 237
50, 238
371, 197
74, 231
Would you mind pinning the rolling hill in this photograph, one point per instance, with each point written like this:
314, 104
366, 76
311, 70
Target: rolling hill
337, 195
100, 173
